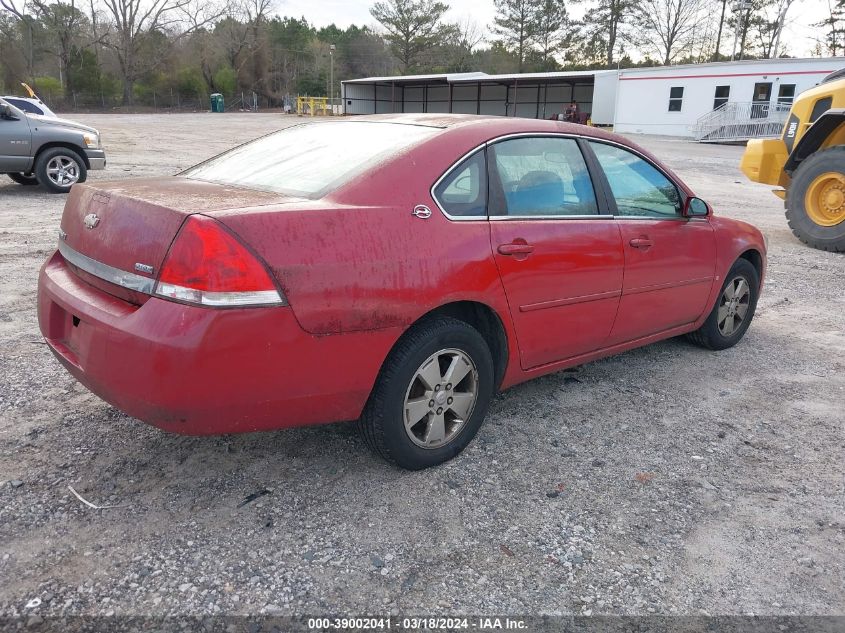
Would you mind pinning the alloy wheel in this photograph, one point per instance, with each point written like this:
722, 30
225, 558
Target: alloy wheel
733, 306
440, 398
63, 171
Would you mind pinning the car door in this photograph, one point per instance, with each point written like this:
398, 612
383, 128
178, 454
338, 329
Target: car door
669, 259
15, 142
559, 259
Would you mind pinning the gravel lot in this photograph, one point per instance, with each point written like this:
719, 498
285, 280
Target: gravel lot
666, 480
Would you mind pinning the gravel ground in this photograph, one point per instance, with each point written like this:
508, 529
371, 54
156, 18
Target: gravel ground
666, 480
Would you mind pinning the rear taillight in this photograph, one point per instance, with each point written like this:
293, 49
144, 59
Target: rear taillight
207, 265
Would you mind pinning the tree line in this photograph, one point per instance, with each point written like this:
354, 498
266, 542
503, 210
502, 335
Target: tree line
172, 53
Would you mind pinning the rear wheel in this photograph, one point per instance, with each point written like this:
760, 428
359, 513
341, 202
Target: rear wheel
734, 309
815, 203
431, 395
24, 179
59, 168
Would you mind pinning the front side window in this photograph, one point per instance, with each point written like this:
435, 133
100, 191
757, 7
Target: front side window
676, 98
640, 189
541, 176
310, 160
463, 193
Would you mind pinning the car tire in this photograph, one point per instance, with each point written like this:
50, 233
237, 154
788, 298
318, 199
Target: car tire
729, 320
71, 169
24, 179
816, 226
450, 414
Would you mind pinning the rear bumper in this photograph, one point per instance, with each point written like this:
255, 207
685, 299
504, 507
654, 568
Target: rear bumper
203, 371
96, 158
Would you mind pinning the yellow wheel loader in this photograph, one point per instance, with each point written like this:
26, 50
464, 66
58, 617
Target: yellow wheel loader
808, 163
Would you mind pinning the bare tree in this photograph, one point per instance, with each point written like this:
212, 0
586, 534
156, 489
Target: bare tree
466, 37
66, 26
667, 25
20, 14
134, 21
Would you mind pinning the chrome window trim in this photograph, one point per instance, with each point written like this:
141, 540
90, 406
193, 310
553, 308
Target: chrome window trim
587, 138
107, 273
446, 174
681, 193
511, 218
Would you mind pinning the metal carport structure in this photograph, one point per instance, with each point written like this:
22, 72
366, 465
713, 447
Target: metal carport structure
531, 95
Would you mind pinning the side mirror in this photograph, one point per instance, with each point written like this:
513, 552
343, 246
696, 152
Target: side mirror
6, 112
696, 208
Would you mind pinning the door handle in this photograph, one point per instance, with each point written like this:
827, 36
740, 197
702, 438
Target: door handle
515, 249
641, 242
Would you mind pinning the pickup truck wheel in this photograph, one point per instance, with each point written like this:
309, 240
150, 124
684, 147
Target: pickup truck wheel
734, 309
24, 179
431, 396
58, 169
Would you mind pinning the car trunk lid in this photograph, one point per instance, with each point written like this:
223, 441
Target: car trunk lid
129, 226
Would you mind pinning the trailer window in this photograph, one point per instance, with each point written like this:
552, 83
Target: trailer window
786, 93
721, 97
676, 98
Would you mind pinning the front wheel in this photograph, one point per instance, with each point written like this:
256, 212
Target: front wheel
24, 179
815, 202
431, 396
58, 169
734, 309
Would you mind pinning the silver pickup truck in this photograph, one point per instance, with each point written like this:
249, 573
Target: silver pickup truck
55, 153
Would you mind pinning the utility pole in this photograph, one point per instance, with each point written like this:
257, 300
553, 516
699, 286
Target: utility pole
332, 49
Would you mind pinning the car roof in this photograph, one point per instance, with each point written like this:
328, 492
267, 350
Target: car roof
488, 123
482, 128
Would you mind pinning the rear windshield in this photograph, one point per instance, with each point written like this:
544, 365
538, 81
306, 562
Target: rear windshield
309, 160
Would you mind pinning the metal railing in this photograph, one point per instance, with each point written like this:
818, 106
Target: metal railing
740, 121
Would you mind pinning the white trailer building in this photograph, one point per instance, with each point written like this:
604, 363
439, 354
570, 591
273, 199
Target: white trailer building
715, 101
719, 100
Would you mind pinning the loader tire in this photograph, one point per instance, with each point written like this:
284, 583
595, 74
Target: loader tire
815, 202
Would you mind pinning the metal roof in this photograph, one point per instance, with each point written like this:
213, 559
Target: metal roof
447, 77
455, 78
738, 63
473, 77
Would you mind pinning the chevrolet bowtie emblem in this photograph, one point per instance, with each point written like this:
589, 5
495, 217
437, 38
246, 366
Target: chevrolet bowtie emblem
91, 220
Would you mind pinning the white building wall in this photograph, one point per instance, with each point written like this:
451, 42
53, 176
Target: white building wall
604, 97
642, 99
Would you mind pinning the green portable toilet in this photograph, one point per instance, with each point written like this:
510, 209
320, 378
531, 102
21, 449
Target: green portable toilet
217, 104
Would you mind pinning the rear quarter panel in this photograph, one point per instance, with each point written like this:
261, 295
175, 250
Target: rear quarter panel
361, 261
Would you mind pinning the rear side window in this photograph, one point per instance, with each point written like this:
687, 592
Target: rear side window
542, 176
639, 188
310, 160
26, 106
463, 193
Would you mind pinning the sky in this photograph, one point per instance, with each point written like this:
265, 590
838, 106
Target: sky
799, 34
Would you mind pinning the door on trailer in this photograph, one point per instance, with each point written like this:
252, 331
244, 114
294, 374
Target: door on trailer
760, 100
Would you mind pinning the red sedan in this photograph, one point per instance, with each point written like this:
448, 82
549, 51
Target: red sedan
397, 270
